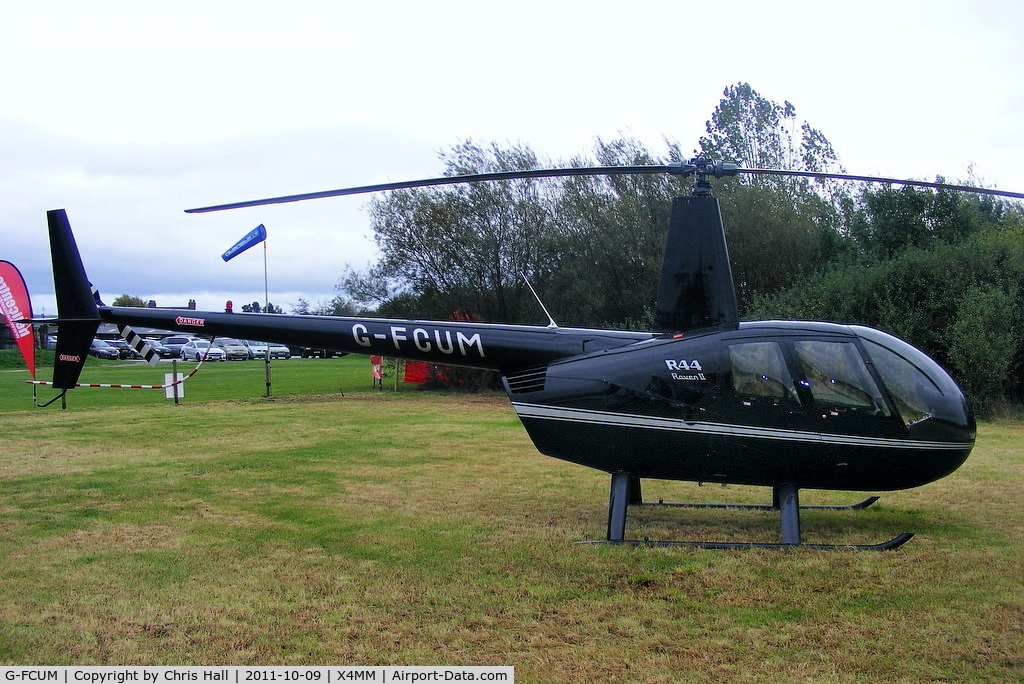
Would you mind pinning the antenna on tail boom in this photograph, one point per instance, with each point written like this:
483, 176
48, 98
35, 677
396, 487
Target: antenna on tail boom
551, 321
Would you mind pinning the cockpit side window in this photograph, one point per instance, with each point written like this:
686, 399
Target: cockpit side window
907, 384
759, 370
836, 375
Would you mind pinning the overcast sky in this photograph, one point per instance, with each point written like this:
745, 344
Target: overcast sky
127, 113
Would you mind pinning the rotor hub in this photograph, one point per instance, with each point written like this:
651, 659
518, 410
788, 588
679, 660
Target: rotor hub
703, 168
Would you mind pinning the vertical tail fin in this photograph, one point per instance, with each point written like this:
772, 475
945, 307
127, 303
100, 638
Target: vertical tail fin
77, 315
696, 288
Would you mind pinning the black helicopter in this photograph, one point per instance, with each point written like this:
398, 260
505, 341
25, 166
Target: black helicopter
704, 397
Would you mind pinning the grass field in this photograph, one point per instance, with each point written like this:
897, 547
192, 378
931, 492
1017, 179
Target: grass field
414, 528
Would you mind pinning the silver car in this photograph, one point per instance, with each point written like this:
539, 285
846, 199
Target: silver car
233, 349
279, 351
197, 350
176, 342
257, 350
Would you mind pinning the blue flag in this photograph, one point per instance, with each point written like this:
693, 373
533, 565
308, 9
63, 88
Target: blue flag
254, 236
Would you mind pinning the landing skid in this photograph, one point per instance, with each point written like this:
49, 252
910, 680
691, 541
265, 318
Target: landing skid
860, 505
893, 543
625, 491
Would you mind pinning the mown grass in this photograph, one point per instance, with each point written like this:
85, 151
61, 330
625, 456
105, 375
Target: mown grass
412, 528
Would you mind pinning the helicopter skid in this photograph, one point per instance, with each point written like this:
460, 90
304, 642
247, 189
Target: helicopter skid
625, 491
858, 506
893, 543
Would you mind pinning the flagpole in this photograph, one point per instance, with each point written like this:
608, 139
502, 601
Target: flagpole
257, 234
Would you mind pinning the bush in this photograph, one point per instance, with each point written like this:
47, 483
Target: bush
983, 342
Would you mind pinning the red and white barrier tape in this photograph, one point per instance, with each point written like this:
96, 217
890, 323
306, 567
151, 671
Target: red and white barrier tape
116, 386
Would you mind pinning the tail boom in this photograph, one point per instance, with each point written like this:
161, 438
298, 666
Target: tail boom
487, 346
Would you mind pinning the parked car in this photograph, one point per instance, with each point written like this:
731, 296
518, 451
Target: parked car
279, 351
233, 349
161, 349
257, 350
102, 350
175, 343
196, 350
124, 349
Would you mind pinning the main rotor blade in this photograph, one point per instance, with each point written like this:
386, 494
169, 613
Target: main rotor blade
450, 180
678, 169
878, 179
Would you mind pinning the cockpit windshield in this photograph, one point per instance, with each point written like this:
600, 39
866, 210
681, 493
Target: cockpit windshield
916, 384
835, 374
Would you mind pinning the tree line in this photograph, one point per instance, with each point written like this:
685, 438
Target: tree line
941, 269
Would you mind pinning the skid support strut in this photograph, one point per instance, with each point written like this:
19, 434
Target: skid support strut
625, 491
789, 510
617, 504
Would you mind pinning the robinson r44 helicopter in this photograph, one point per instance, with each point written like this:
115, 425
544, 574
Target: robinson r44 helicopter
703, 397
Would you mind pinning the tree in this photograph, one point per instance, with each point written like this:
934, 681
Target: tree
466, 246
606, 264
773, 240
892, 220
779, 228
591, 246
758, 133
336, 306
255, 307
984, 341
129, 300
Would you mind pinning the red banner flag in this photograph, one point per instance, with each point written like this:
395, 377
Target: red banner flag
15, 305
416, 371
